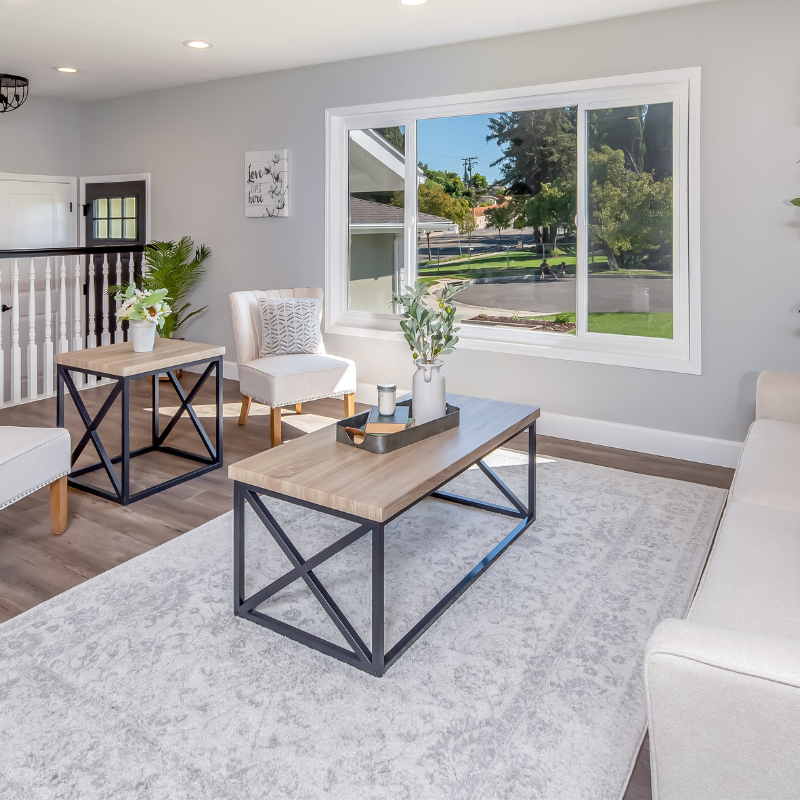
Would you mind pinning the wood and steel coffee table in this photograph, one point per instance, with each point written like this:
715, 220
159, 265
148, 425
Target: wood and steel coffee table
371, 490
120, 364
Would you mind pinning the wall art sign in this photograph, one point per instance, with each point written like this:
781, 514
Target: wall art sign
266, 186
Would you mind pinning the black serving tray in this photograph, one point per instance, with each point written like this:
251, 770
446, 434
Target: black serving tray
389, 442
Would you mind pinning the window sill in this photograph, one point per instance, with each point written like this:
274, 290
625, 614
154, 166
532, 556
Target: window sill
653, 354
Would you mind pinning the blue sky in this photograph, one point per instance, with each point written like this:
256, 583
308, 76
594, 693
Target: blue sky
442, 143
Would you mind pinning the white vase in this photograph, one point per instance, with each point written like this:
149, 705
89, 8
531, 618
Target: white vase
428, 397
144, 335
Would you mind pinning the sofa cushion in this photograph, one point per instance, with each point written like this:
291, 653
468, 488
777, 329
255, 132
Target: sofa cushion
752, 581
297, 378
30, 458
769, 467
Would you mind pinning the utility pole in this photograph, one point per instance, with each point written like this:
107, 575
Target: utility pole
468, 162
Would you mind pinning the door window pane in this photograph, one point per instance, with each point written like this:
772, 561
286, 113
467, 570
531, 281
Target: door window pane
115, 229
100, 208
630, 209
115, 209
497, 203
101, 229
130, 228
376, 222
130, 206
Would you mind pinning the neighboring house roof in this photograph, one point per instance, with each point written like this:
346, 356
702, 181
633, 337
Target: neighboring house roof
365, 212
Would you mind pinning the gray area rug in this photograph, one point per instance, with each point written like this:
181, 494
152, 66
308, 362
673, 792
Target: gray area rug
140, 683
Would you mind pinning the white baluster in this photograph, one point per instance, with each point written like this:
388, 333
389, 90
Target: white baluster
105, 337
47, 347
16, 353
33, 350
63, 344
77, 338
92, 335
119, 336
2, 353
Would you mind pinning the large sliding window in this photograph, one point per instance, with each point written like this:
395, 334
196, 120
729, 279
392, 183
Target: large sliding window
562, 214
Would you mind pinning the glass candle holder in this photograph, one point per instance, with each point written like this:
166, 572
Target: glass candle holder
387, 394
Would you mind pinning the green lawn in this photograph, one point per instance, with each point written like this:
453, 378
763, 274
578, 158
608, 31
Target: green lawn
517, 263
657, 325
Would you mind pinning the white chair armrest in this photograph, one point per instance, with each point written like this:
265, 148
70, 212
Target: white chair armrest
778, 396
724, 713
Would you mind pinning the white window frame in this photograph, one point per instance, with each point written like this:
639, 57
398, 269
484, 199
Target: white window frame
681, 86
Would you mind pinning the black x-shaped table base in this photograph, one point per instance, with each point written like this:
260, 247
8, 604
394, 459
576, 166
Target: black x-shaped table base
120, 484
373, 660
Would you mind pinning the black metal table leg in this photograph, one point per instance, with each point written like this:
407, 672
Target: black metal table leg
378, 646
220, 410
154, 428
126, 439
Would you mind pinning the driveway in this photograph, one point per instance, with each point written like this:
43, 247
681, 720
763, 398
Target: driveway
606, 294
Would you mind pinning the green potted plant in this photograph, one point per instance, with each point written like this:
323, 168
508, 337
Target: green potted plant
429, 327
170, 266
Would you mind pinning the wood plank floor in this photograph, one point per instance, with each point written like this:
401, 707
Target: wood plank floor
36, 565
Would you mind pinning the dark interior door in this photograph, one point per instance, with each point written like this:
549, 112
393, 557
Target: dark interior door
114, 215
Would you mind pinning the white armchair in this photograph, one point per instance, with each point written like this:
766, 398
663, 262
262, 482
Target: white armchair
30, 459
289, 380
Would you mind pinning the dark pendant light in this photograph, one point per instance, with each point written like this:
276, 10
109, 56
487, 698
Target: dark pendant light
13, 92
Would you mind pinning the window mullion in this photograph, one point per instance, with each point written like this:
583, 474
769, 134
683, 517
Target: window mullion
410, 227
582, 232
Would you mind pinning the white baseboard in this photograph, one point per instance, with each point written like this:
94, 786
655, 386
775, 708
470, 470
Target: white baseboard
685, 446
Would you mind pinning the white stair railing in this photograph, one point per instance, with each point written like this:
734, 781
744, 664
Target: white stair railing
55, 325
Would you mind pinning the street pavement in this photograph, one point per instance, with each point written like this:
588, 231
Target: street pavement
611, 293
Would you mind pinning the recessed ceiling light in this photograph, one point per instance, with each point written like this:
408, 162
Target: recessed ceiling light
65, 69
411, 2
197, 44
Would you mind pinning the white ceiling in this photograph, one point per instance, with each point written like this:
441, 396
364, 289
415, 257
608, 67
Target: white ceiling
126, 46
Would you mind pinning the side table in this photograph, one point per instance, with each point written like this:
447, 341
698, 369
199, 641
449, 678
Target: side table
119, 363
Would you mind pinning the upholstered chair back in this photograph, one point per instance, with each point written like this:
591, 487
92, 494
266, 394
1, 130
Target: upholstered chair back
246, 318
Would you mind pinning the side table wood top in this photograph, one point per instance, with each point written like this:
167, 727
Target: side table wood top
318, 469
120, 360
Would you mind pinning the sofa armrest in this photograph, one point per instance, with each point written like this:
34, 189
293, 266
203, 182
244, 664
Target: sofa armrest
723, 712
778, 396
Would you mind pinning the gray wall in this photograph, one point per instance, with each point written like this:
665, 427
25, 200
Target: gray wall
192, 139
42, 137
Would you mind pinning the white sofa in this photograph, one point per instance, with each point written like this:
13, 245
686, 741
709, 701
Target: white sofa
30, 459
723, 686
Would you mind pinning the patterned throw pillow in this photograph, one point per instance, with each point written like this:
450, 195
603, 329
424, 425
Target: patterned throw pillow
289, 325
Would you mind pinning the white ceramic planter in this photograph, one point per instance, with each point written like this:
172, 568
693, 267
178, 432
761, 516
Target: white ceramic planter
144, 335
428, 397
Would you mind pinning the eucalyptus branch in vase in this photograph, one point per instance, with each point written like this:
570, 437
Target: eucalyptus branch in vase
431, 332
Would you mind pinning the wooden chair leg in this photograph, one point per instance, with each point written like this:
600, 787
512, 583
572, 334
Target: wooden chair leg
245, 409
298, 408
275, 426
58, 505
349, 405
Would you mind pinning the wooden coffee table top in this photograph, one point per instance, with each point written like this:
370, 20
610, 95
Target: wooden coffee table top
318, 469
119, 359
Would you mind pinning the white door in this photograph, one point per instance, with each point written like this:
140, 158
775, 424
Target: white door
35, 212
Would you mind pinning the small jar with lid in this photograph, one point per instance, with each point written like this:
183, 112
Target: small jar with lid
387, 396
